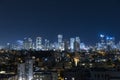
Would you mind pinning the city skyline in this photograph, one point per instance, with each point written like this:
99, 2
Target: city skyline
86, 19
64, 38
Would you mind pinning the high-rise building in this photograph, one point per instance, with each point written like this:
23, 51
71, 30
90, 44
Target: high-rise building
110, 42
60, 41
77, 44
72, 41
46, 45
21, 71
102, 41
29, 69
38, 43
82, 46
66, 45
27, 43
30, 43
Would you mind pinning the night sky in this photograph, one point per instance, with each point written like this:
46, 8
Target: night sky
47, 18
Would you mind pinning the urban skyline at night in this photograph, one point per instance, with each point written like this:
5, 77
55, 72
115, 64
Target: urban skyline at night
59, 39
86, 19
65, 38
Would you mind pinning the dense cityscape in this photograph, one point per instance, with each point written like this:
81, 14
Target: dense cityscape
60, 60
59, 39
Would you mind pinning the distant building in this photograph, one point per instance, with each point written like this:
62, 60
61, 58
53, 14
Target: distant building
60, 42
77, 44
38, 43
27, 43
66, 45
82, 46
47, 44
72, 41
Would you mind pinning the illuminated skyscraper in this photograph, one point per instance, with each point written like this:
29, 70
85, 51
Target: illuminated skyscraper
77, 44
46, 45
82, 46
27, 43
102, 43
110, 42
72, 41
38, 43
60, 38
30, 43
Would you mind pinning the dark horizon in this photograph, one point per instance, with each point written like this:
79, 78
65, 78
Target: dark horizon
48, 18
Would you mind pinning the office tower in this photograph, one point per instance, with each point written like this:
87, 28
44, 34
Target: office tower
60, 38
102, 41
8, 46
72, 40
29, 69
21, 71
77, 44
38, 43
102, 38
82, 46
55, 46
18, 45
33, 46
27, 43
30, 43
66, 45
62, 46
46, 45
110, 42
77, 39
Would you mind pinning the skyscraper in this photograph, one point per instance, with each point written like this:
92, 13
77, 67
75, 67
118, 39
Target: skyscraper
46, 45
66, 45
27, 43
38, 43
77, 44
72, 40
60, 38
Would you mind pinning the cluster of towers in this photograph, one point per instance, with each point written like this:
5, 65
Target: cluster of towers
73, 44
107, 42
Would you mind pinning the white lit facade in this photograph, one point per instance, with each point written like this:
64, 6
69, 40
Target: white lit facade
38, 43
72, 41
60, 42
